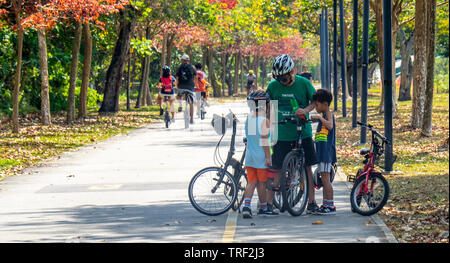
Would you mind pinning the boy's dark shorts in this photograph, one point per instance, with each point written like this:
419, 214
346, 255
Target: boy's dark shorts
282, 148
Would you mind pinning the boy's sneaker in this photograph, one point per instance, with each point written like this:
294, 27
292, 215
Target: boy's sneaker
312, 208
246, 212
325, 210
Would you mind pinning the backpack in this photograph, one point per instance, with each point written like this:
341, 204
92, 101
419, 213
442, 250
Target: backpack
185, 72
167, 85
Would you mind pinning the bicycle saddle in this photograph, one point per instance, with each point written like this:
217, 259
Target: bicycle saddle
364, 151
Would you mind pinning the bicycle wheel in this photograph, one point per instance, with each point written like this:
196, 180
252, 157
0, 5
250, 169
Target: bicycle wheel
209, 198
241, 185
368, 199
187, 115
278, 201
167, 118
294, 183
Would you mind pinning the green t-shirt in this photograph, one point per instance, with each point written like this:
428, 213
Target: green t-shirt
302, 90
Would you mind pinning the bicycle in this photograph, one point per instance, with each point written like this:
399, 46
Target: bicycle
370, 190
214, 190
188, 97
166, 101
294, 183
202, 109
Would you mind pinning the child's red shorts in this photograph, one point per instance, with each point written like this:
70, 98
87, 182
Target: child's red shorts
255, 174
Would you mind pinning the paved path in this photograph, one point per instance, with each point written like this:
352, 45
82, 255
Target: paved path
133, 188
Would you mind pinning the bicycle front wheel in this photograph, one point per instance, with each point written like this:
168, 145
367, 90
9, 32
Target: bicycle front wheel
368, 199
212, 191
294, 183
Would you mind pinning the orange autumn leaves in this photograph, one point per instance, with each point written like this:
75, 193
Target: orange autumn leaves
47, 13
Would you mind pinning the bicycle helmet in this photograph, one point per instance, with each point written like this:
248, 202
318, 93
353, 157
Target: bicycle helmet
282, 64
318, 181
166, 71
258, 95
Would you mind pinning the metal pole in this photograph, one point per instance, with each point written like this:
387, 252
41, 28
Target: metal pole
387, 46
327, 49
343, 61
322, 61
365, 65
335, 77
355, 64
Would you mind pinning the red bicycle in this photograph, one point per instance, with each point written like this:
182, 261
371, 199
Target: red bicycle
370, 190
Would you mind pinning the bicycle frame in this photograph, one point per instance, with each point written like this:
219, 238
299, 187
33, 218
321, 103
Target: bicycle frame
231, 152
375, 151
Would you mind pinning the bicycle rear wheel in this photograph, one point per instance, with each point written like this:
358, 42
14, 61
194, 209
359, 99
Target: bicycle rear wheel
294, 183
207, 196
367, 202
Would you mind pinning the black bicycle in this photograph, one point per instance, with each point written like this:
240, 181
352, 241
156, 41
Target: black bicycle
294, 183
214, 190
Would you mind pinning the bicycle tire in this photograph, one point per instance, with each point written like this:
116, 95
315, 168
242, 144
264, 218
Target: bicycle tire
187, 115
204, 200
294, 183
166, 119
241, 185
373, 208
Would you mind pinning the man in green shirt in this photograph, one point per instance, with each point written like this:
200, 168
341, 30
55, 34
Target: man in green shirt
288, 88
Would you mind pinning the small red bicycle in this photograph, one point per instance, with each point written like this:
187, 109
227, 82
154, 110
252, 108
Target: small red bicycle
370, 190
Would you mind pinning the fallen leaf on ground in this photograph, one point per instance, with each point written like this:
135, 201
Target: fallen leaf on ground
317, 223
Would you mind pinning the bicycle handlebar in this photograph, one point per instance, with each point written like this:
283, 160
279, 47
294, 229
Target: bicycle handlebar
296, 120
370, 127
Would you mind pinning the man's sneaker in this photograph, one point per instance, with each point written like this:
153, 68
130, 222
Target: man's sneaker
270, 211
312, 208
325, 210
261, 212
246, 212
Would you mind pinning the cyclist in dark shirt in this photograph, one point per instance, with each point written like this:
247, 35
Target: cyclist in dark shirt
186, 79
306, 74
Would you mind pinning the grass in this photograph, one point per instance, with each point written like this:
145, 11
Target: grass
36, 143
418, 208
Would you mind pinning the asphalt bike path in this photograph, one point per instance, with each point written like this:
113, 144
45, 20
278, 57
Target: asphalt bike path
134, 188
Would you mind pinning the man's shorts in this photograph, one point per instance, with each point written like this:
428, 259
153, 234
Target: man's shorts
282, 148
255, 174
324, 167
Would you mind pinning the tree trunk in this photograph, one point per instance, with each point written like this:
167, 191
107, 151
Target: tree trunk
406, 46
115, 71
73, 73
82, 103
420, 66
170, 50
211, 74
16, 92
431, 50
224, 71
164, 51
236, 71
45, 94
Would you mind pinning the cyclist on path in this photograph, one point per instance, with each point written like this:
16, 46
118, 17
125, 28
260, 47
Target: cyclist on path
166, 88
326, 148
257, 158
251, 81
186, 79
200, 88
286, 88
